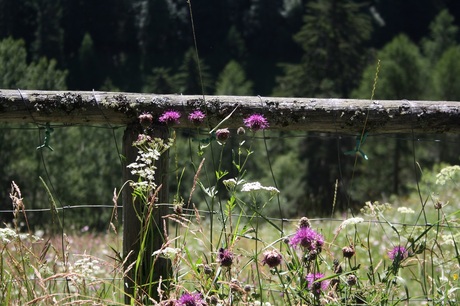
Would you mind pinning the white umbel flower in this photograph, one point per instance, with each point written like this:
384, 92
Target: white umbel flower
256, 186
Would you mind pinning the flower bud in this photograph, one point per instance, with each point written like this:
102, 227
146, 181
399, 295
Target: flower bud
348, 251
222, 135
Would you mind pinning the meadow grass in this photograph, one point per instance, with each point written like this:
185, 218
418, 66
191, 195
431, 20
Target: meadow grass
231, 253
36, 270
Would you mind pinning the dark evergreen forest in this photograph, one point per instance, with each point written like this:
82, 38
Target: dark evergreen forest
308, 48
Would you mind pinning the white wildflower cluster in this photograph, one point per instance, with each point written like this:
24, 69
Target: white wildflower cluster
144, 167
168, 252
256, 186
257, 303
249, 187
375, 208
405, 210
232, 183
450, 239
349, 221
87, 268
446, 174
7, 235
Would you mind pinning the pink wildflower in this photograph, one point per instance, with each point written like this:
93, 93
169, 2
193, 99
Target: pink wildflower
225, 257
398, 253
314, 285
170, 117
256, 122
197, 117
307, 238
191, 299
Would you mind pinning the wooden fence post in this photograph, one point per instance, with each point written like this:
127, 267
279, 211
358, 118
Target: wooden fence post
132, 225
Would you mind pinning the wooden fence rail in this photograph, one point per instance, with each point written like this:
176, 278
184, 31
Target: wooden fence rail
343, 116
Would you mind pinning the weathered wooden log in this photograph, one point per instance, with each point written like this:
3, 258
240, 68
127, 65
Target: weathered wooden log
344, 116
135, 222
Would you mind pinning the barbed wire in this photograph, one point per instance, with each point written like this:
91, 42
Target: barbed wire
29, 127
446, 138
191, 213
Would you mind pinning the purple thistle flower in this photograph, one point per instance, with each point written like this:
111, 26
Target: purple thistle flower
398, 253
170, 117
225, 257
272, 258
197, 117
256, 122
307, 238
316, 287
191, 299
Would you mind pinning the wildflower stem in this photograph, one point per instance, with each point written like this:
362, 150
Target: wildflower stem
256, 255
285, 292
274, 182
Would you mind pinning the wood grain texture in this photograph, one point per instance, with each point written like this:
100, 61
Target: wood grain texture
345, 116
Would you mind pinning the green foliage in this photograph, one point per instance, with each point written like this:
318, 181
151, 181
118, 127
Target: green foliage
402, 74
45, 75
49, 35
193, 77
13, 65
236, 44
42, 270
88, 70
17, 73
232, 81
68, 177
23, 164
292, 198
160, 81
155, 25
332, 39
443, 35
446, 75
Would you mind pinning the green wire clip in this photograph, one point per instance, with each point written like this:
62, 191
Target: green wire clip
359, 142
46, 144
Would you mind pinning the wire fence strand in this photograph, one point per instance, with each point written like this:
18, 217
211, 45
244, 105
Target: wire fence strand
191, 213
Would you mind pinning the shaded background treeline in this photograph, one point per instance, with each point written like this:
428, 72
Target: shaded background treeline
316, 48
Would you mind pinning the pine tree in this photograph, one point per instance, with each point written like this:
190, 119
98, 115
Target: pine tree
13, 64
15, 72
402, 75
160, 82
153, 21
17, 163
232, 81
87, 70
44, 75
48, 33
402, 72
446, 75
443, 35
332, 39
189, 80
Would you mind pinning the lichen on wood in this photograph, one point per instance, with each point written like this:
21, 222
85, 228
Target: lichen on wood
345, 116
